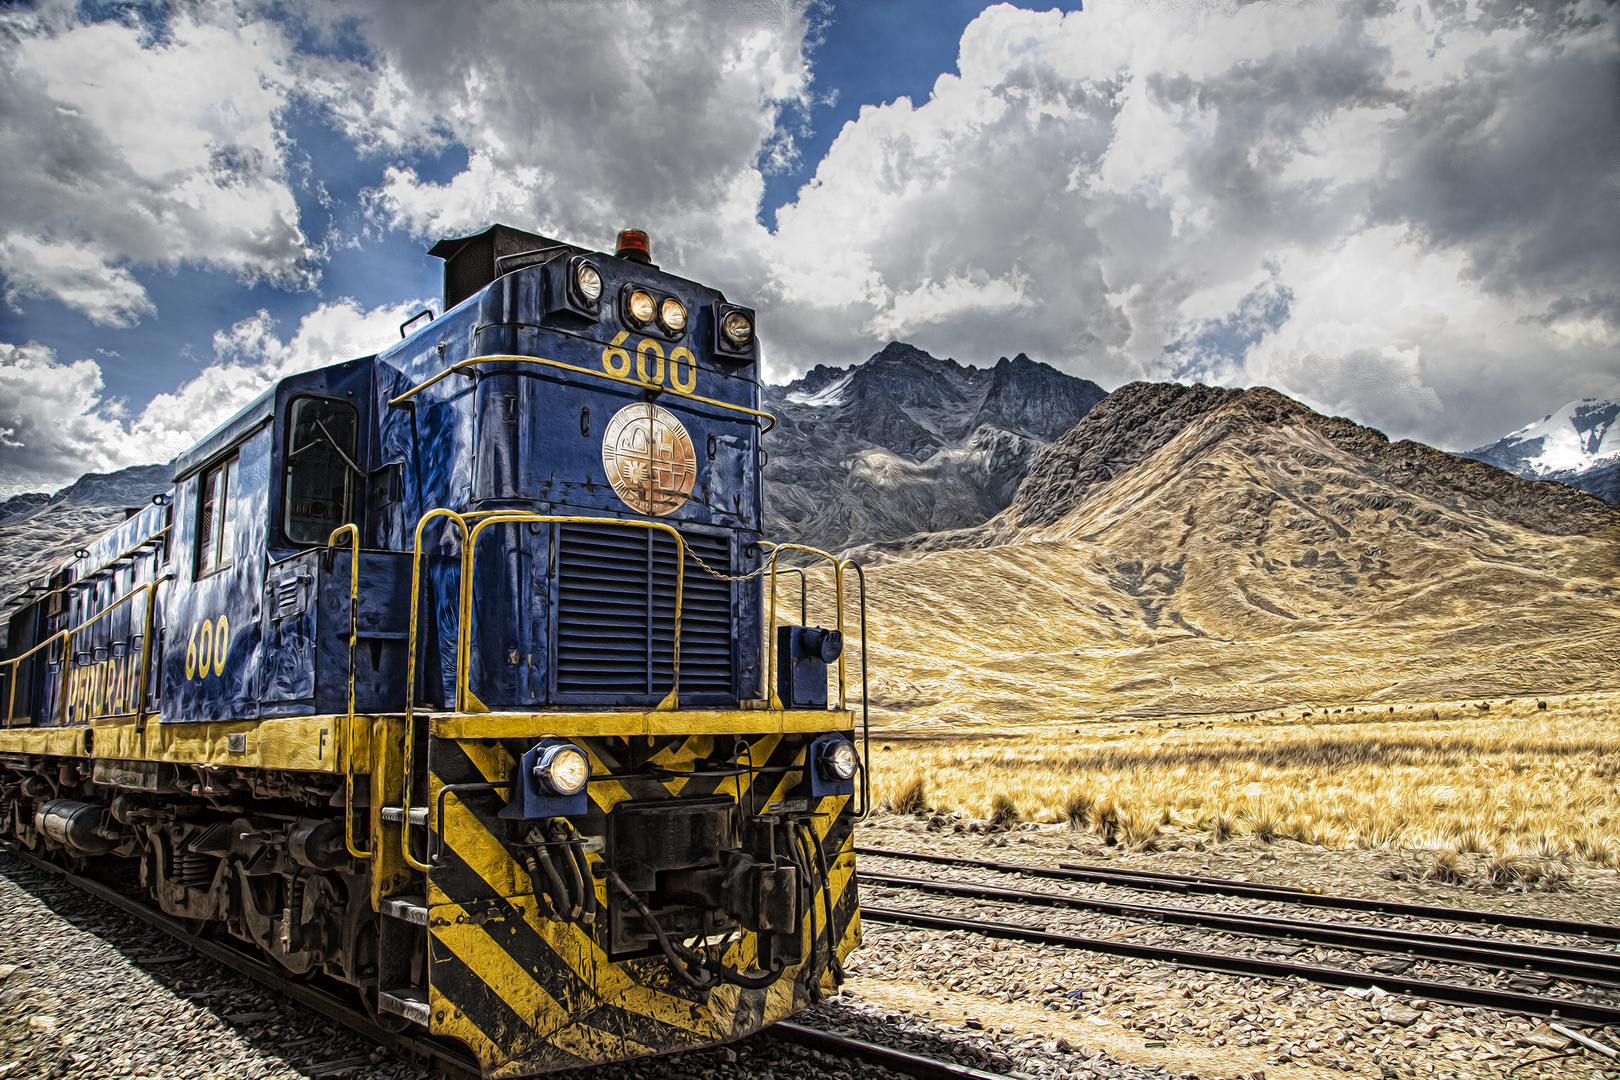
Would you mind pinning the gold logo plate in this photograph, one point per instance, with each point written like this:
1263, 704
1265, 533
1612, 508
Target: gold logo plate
649, 459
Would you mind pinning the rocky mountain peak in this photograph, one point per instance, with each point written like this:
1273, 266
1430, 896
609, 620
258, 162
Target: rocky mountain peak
936, 423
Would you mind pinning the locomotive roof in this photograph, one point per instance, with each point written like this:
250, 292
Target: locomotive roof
255, 413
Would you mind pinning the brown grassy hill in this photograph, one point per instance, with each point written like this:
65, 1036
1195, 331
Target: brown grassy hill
1189, 549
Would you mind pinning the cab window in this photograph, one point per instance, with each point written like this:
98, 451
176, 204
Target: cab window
216, 518
321, 468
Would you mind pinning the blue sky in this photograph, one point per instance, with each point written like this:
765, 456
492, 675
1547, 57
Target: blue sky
1397, 215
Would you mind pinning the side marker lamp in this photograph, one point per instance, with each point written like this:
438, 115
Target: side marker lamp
738, 329
839, 763
589, 282
832, 764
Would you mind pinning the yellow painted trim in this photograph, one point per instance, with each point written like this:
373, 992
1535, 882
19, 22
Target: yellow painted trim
625, 724
51, 742
292, 743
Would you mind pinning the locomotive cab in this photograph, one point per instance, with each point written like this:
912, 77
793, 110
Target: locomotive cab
458, 673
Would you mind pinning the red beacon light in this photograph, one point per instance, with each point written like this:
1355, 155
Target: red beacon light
633, 244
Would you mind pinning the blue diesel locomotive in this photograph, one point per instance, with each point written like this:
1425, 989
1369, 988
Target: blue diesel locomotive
456, 674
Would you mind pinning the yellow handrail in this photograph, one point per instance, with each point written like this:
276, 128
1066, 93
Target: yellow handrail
65, 636
11, 700
131, 553
410, 677
457, 367
866, 723
466, 700
772, 696
346, 742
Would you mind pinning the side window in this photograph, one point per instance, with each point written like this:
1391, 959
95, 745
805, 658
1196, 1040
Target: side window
216, 518
321, 469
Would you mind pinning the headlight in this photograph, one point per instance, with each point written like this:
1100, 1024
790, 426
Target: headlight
672, 315
841, 761
589, 282
564, 769
738, 328
641, 306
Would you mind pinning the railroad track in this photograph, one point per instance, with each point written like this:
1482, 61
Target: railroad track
442, 1057
1587, 966
1189, 884
1596, 968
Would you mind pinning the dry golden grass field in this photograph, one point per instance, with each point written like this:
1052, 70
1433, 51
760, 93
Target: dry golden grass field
1514, 782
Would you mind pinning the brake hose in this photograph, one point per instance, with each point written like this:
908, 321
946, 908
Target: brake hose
559, 892
582, 867
826, 898
802, 860
682, 958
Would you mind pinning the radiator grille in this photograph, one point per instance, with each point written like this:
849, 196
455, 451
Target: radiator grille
613, 647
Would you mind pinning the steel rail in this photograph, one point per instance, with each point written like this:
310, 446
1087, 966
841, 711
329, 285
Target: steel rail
1582, 965
900, 1061
424, 1052
1288, 894
431, 1054
1226, 964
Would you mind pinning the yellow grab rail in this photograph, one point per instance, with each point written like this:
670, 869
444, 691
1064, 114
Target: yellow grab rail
461, 365
772, 696
346, 740
866, 723
15, 662
466, 700
65, 637
410, 677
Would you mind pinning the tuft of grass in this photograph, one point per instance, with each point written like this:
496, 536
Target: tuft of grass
1261, 822
1140, 831
1597, 850
1527, 871
911, 797
1447, 867
1078, 807
1105, 818
1003, 811
1222, 827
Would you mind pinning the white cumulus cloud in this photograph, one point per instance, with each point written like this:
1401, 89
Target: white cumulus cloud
56, 424
122, 148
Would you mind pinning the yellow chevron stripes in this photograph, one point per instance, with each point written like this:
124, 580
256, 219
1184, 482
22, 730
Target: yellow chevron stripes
472, 940
529, 993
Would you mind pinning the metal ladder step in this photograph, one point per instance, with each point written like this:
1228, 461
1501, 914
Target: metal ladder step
396, 814
408, 1002
412, 909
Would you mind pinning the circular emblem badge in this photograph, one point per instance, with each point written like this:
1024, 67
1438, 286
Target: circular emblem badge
649, 459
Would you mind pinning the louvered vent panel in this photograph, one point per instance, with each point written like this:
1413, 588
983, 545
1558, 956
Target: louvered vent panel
615, 646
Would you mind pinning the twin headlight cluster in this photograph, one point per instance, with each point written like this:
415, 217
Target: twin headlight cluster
643, 308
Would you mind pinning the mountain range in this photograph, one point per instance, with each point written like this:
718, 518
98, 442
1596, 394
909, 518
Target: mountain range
1191, 549
1578, 445
38, 531
906, 443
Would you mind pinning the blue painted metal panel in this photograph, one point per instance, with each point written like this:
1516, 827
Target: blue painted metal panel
507, 434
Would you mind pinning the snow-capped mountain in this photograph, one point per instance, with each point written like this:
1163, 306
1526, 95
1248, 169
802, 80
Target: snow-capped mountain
1577, 445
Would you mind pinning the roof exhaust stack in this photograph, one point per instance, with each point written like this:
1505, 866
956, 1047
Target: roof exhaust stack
471, 262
